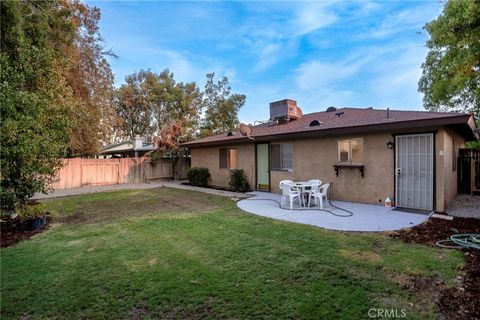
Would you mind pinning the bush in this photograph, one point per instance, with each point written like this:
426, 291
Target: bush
31, 211
198, 176
238, 181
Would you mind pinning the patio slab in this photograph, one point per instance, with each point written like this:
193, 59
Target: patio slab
366, 217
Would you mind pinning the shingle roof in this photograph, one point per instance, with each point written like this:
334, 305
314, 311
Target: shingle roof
352, 118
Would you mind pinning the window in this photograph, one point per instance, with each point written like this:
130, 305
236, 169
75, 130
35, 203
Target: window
281, 156
350, 150
228, 158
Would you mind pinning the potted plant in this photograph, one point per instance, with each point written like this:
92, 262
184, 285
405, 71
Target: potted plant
33, 216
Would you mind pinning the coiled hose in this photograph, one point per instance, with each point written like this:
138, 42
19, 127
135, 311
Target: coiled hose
349, 213
461, 240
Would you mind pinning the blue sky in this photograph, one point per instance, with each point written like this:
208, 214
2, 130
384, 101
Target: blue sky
341, 53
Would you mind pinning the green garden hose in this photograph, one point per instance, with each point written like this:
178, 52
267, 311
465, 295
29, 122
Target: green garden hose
461, 240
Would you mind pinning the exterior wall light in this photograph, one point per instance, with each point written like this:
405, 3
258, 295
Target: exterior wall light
390, 145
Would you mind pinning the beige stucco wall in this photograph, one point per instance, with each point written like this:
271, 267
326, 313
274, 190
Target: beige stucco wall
314, 158
446, 178
208, 157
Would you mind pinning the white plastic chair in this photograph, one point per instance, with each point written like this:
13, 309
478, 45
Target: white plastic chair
314, 189
290, 191
320, 194
315, 184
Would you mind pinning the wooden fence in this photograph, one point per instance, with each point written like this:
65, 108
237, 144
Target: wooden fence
77, 172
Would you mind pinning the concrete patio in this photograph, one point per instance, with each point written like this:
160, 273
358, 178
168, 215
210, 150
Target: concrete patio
366, 217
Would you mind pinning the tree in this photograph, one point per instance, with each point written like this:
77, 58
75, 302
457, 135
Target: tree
89, 75
451, 71
175, 103
56, 89
221, 107
150, 102
133, 104
35, 98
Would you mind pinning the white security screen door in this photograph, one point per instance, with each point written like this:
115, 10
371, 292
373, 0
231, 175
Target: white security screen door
414, 171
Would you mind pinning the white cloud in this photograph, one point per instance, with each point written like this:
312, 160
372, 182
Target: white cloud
407, 20
395, 82
317, 74
378, 76
274, 37
268, 55
310, 17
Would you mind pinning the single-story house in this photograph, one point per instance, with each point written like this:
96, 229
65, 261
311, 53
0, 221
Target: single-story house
137, 147
366, 154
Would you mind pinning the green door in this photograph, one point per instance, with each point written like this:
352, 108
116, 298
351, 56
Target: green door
263, 168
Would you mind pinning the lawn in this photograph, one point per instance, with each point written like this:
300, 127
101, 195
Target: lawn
166, 253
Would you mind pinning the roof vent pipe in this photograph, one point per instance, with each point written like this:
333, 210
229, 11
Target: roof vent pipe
388, 113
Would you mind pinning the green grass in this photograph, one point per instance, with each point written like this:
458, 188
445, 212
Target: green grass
166, 253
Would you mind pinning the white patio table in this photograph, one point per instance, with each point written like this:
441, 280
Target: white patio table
304, 187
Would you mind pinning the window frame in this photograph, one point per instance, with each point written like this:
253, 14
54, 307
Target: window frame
228, 154
283, 157
349, 152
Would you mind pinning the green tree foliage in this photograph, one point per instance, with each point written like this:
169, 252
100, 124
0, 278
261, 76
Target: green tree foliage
175, 103
221, 107
56, 90
89, 75
451, 72
150, 103
34, 98
133, 104
474, 144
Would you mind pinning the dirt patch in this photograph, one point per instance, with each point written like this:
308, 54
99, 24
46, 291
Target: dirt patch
78, 217
146, 204
424, 292
203, 311
461, 300
436, 229
137, 313
428, 287
13, 231
366, 256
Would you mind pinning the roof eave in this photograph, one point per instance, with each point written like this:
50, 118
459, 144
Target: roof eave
193, 144
462, 119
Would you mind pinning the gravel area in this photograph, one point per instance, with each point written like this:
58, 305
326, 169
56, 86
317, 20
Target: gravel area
466, 206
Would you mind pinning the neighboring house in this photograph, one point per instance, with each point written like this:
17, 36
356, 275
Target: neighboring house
367, 154
137, 147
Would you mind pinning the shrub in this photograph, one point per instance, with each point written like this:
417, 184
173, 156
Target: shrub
30, 211
238, 181
198, 176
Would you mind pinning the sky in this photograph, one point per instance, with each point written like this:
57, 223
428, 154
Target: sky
321, 54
